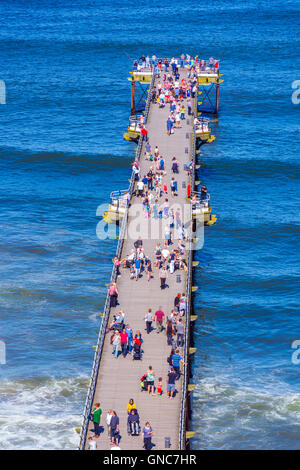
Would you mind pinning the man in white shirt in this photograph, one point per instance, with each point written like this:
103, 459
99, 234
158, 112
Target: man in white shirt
115, 446
165, 254
92, 444
140, 188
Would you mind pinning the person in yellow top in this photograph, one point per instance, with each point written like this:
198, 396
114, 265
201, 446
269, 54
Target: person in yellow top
131, 405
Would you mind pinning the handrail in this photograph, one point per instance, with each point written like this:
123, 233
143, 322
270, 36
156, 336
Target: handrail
183, 407
119, 192
106, 311
198, 193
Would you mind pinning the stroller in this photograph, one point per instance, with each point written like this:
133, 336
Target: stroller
137, 352
144, 383
118, 326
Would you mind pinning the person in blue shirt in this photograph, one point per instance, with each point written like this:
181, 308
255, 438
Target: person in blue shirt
173, 187
137, 266
176, 360
155, 209
147, 435
129, 331
161, 164
169, 126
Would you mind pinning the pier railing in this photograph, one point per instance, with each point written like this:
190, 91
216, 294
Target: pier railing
186, 366
106, 311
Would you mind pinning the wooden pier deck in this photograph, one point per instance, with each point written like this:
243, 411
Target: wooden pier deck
119, 379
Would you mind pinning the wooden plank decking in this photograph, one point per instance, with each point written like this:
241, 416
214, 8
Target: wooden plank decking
119, 379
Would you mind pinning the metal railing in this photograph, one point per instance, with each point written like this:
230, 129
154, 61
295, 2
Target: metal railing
135, 123
185, 372
202, 126
106, 311
201, 200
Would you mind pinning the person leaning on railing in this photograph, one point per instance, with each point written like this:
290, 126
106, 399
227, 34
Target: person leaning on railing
96, 415
113, 293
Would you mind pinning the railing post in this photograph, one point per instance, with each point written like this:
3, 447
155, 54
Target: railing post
133, 110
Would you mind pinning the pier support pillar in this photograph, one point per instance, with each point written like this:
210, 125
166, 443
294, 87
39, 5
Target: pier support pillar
217, 101
133, 110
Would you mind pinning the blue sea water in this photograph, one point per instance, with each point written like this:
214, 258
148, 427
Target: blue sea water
65, 65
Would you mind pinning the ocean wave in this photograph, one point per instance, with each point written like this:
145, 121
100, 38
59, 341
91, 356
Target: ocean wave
243, 418
41, 413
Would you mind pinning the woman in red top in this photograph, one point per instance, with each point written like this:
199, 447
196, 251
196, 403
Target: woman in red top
124, 342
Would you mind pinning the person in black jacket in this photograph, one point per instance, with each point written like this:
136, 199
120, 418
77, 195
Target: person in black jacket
134, 421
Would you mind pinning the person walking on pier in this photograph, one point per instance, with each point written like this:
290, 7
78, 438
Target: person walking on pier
182, 305
170, 332
113, 293
149, 269
166, 208
147, 436
124, 342
96, 414
159, 387
157, 253
116, 343
108, 419
163, 277
175, 165
176, 360
116, 262
159, 319
171, 377
92, 444
148, 320
144, 133
114, 428
180, 333
150, 380
169, 126
182, 112
115, 446
129, 331
173, 187
155, 209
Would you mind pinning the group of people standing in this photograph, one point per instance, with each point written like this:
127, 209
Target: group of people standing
113, 426
185, 60
155, 194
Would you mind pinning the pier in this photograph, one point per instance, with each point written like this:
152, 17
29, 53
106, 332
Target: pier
114, 381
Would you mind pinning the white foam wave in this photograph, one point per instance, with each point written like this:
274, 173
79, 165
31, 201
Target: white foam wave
41, 413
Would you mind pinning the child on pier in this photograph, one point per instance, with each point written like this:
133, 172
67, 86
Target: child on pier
159, 387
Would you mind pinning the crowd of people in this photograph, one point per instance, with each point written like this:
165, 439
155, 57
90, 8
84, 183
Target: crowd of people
165, 259
185, 60
168, 256
113, 426
133, 417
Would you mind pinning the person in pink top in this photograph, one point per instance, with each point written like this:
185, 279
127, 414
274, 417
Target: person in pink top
159, 318
113, 292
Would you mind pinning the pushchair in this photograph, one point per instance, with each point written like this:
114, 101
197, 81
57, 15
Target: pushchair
137, 352
144, 383
118, 326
